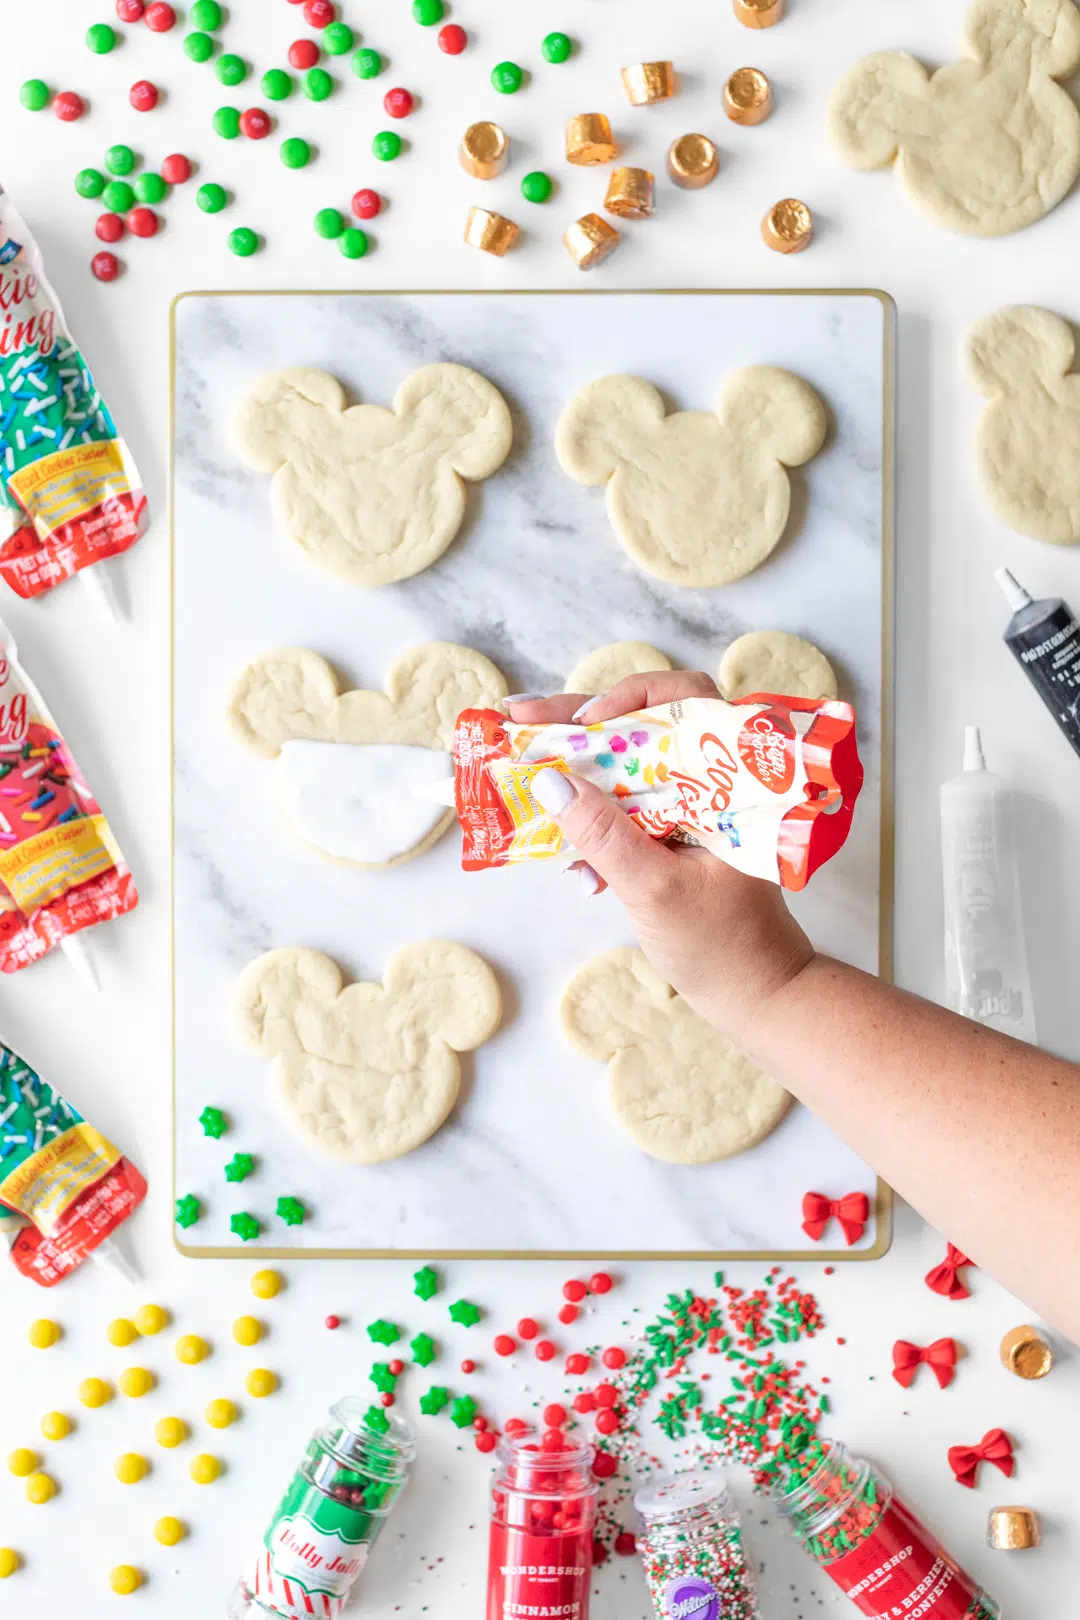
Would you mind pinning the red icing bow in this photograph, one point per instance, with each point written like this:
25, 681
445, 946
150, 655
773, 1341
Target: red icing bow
943, 1279
940, 1357
852, 1211
994, 1447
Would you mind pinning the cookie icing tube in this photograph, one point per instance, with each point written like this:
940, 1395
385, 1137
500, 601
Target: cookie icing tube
1044, 638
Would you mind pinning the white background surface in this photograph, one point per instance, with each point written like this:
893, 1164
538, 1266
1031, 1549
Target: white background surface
108, 685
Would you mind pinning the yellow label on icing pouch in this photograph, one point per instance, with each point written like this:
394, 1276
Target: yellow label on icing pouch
46, 1184
535, 835
59, 488
52, 863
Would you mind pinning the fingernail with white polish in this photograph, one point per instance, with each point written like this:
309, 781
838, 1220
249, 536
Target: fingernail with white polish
525, 697
579, 714
589, 880
552, 791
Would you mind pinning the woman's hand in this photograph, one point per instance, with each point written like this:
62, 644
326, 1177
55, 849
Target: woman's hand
724, 941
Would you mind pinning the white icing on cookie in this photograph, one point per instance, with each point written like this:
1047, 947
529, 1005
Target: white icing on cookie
361, 802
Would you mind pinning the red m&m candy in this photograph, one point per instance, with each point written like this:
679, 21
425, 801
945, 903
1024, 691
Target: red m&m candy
604, 1465
568, 1314
504, 1344
255, 123
555, 1415
318, 13
577, 1364
365, 205
527, 1328
160, 17
452, 39
142, 222
176, 169
614, 1358
398, 103
574, 1291
303, 54
130, 10
544, 1349
109, 228
143, 95
606, 1421
600, 1283
68, 106
106, 266
606, 1394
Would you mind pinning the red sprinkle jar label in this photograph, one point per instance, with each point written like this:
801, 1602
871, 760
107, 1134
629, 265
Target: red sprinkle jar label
900, 1570
538, 1577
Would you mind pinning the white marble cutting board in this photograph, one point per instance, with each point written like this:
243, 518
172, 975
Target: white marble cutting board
530, 1160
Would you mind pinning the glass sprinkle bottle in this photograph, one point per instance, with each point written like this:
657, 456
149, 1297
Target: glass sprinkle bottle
692, 1548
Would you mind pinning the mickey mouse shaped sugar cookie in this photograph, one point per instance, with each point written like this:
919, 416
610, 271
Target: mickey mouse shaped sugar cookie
985, 145
367, 1072
372, 495
351, 768
759, 661
1027, 444
697, 497
679, 1089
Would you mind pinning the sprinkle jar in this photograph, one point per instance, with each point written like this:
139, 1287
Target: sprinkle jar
847, 1518
692, 1548
323, 1529
543, 1511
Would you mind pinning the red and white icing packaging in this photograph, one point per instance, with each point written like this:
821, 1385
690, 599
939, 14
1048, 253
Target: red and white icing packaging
768, 783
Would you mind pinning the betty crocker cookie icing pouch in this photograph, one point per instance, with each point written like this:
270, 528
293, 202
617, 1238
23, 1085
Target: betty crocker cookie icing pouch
70, 493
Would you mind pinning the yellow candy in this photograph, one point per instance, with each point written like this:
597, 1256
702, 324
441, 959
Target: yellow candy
204, 1469
9, 1562
265, 1284
125, 1579
39, 1489
130, 1468
43, 1334
56, 1426
121, 1332
220, 1413
169, 1531
247, 1330
23, 1462
260, 1382
170, 1432
136, 1381
150, 1319
190, 1349
95, 1392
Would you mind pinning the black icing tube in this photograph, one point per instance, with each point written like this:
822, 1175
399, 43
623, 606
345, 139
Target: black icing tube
1044, 638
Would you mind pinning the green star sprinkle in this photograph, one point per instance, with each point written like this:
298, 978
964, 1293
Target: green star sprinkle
426, 1282
433, 1402
423, 1349
463, 1411
384, 1380
244, 1226
376, 1420
188, 1210
213, 1122
239, 1167
382, 1332
465, 1313
291, 1211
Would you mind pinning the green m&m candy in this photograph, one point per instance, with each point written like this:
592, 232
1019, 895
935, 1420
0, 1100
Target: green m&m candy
150, 188
34, 95
366, 64
337, 38
386, 146
536, 187
557, 47
100, 39
199, 47
211, 198
205, 14
226, 123
89, 183
353, 243
295, 153
317, 84
118, 197
119, 160
428, 12
506, 78
231, 69
243, 242
329, 222
277, 84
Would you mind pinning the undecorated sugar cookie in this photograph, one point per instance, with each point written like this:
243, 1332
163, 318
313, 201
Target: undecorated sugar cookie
372, 495
599, 671
983, 146
697, 498
678, 1089
775, 661
1027, 444
368, 1072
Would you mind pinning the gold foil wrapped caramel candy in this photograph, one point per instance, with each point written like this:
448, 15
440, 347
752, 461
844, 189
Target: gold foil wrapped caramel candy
1012, 1529
692, 161
484, 151
491, 233
759, 13
649, 82
1026, 1353
630, 194
788, 227
748, 96
590, 239
589, 139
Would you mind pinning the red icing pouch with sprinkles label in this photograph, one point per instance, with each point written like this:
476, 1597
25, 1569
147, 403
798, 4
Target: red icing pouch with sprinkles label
60, 867
879, 1554
70, 493
768, 784
543, 1511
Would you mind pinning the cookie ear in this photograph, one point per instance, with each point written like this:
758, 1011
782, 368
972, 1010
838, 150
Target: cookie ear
276, 990
287, 694
599, 671
774, 410
992, 28
606, 424
1019, 341
874, 106
451, 992
265, 424
614, 1000
430, 685
462, 413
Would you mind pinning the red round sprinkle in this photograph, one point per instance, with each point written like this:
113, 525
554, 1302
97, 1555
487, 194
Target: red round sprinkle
143, 95
841, 1341
109, 228
468, 1366
577, 1364
626, 1543
255, 124
397, 1368
585, 1401
176, 169
130, 10
504, 1344
317, 13
160, 17
552, 1440
398, 103
606, 1394
484, 1441
332, 1322
604, 1465
568, 1314
515, 1425
829, 1270
554, 1415
452, 39
600, 1283
606, 1421
599, 1553
68, 106
143, 222
614, 1358
480, 1422
365, 205
386, 1398
527, 1328
544, 1349
303, 54
106, 266
574, 1291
